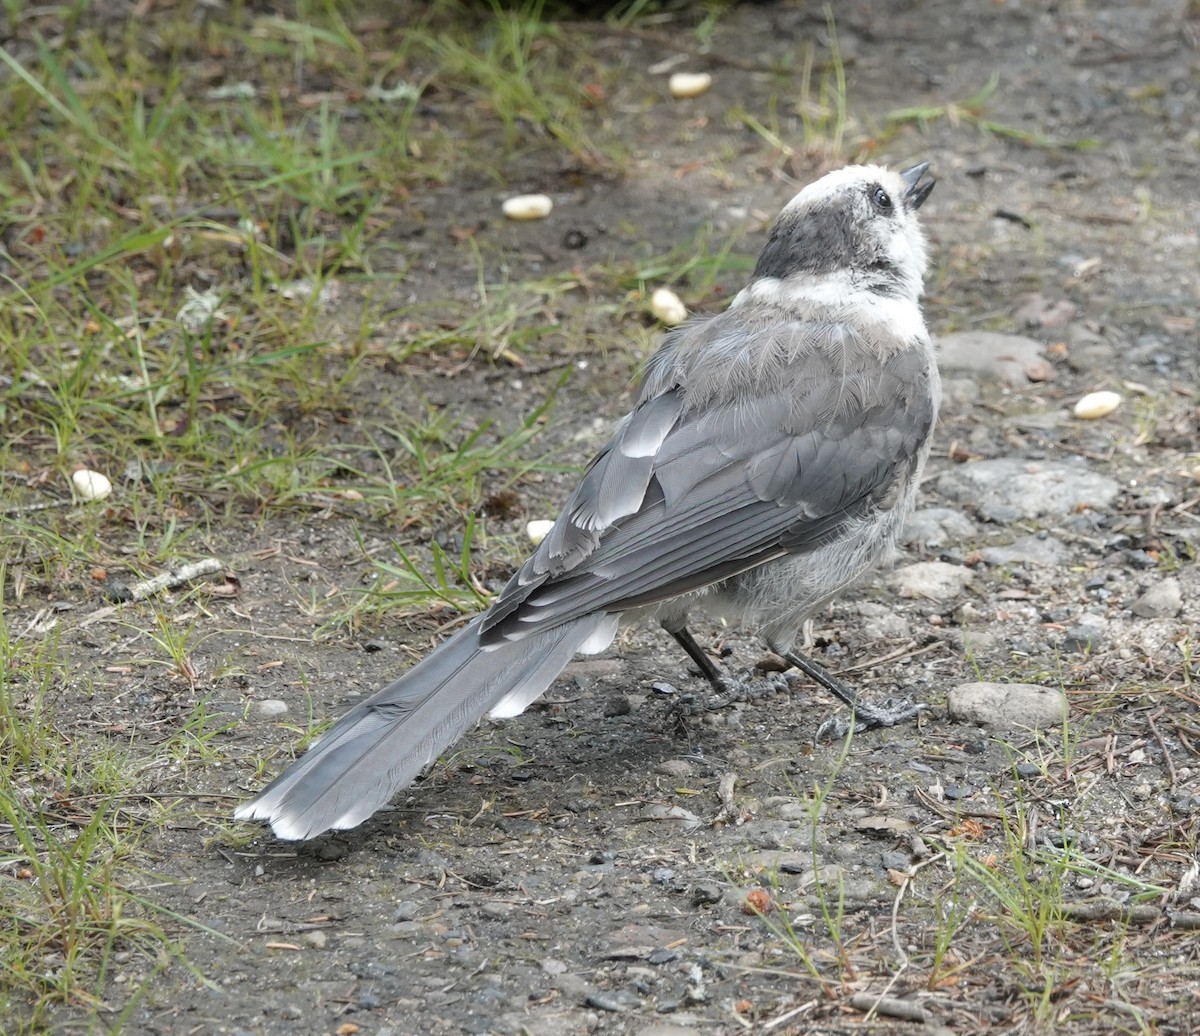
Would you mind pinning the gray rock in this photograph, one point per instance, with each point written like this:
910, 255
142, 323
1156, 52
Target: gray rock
973, 642
1013, 359
1007, 706
1038, 311
1162, 601
615, 1001
574, 988
935, 580
1028, 488
1028, 550
270, 707
1086, 635
497, 908
937, 527
882, 622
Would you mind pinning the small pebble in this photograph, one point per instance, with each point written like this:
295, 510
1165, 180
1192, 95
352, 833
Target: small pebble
270, 707
331, 851
90, 485
316, 939
1164, 600
497, 908
689, 84
538, 529
667, 307
1097, 404
527, 206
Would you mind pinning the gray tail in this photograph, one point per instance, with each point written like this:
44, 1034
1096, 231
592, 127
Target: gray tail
384, 743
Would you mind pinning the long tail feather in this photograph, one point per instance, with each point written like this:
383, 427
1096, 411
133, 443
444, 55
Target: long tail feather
382, 744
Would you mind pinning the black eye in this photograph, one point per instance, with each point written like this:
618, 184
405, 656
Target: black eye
880, 199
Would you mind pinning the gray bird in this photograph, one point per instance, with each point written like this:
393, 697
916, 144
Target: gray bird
772, 456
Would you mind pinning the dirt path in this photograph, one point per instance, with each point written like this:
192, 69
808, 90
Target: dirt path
583, 869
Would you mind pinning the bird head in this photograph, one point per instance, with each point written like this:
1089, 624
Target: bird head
858, 223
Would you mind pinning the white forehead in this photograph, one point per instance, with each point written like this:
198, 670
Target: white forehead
849, 177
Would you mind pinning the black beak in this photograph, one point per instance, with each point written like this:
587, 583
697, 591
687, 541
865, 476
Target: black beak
916, 192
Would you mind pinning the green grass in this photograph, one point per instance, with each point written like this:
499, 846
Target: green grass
192, 304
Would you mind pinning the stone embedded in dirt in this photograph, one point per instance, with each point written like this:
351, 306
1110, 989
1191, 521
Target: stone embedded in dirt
881, 622
617, 705
936, 527
270, 707
614, 1000
658, 811
496, 908
1086, 635
674, 768
1162, 601
1013, 359
1038, 311
933, 580
772, 663
1028, 550
574, 987
1028, 488
667, 1029
883, 826
316, 939
1007, 706
332, 850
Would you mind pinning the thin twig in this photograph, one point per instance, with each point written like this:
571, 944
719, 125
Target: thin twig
891, 1006
1163, 745
165, 581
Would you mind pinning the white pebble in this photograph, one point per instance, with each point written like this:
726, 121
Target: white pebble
689, 84
668, 307
90, 485
527, 206
1097, 404
538, 529
270, 707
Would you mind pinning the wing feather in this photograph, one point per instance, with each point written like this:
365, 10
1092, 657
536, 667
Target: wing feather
686, 495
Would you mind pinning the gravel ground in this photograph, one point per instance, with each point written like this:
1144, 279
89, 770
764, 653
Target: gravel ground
586, 867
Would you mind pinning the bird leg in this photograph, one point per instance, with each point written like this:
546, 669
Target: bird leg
866, 714
731, 690
708, 668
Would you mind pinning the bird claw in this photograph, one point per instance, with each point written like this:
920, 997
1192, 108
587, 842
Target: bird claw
747, 691
867, 717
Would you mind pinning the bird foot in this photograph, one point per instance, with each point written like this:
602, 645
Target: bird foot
746, 690
867, 716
